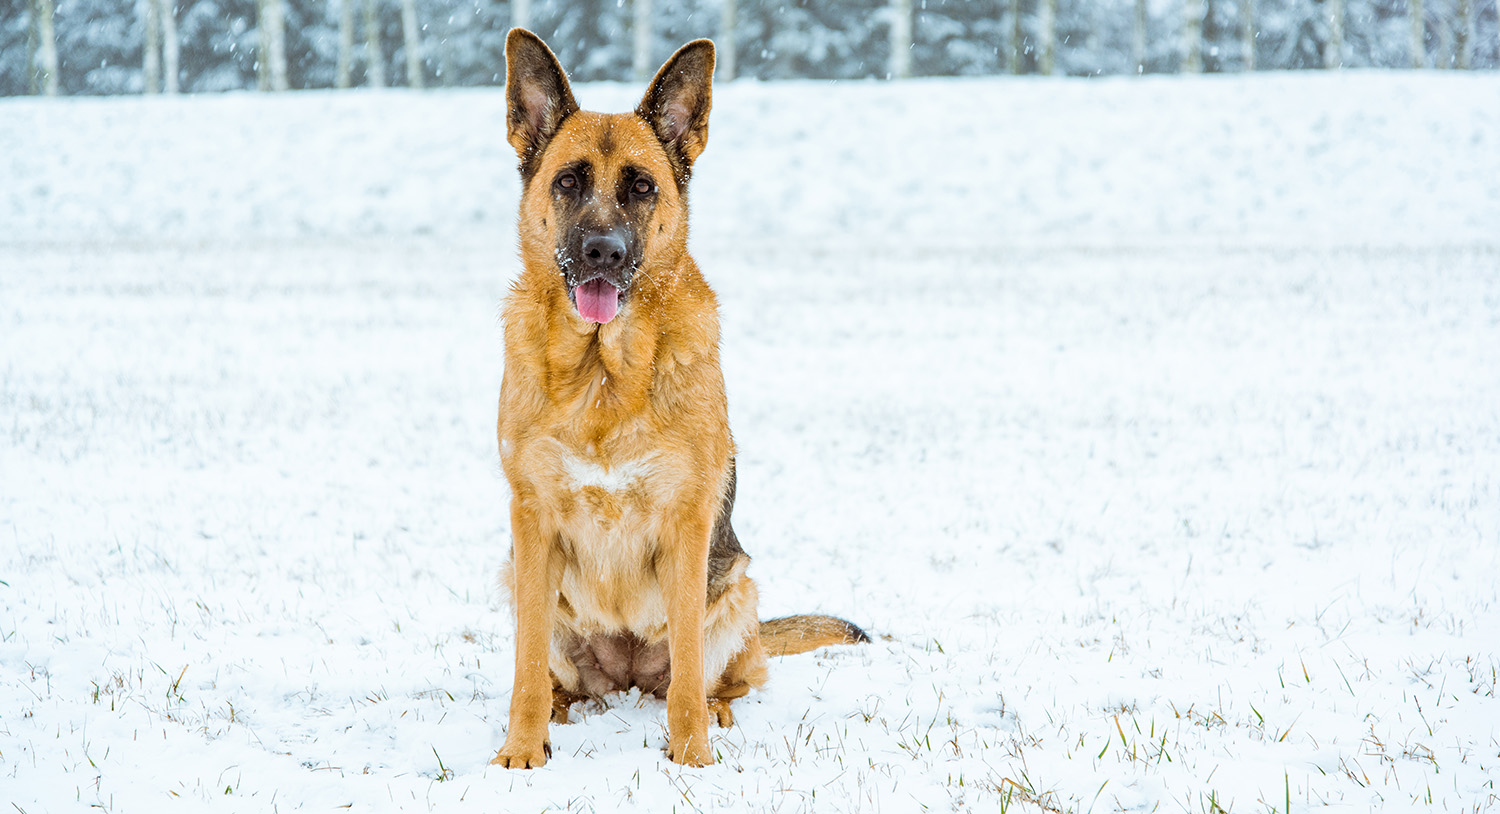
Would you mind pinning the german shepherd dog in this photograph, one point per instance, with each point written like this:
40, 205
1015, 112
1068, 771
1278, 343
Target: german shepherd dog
614, 431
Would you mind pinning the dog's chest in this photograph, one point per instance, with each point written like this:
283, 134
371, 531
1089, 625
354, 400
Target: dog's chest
616, 481
595, 495
609, 513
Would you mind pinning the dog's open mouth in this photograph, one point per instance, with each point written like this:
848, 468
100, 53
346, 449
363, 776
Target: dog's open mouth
597, 300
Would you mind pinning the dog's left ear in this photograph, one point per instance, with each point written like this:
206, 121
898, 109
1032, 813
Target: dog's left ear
677, 103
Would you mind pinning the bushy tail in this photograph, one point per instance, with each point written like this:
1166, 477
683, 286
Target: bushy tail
790, 635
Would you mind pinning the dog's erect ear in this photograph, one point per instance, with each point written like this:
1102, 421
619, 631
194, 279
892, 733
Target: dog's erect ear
677, 103
537, 93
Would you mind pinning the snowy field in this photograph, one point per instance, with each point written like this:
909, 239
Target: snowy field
1153, 428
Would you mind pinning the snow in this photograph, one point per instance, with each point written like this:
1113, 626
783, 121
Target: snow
1309, 158
1149, 425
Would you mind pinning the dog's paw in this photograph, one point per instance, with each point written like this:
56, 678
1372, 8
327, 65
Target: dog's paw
718, 709
562, 701
511, 756
691, 751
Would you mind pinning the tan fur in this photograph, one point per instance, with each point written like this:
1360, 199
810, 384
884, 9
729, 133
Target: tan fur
791, 635
615, 441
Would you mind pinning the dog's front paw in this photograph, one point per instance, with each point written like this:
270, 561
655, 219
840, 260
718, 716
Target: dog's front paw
691, 750
513, 756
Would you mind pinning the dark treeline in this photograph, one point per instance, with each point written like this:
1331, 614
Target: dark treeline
131, 46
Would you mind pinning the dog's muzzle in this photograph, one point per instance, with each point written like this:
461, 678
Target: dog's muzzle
599, 274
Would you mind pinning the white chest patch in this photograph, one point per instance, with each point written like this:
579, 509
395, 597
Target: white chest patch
618, 478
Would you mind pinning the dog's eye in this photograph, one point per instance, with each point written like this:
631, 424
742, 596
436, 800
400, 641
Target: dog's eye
643, 186
567, 181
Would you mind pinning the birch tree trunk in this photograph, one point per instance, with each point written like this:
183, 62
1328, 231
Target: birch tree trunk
1138, 37
375, 61
275, 23
1418, 35
727, 53
262, 48
1192, 36
171, 49
31, 73
344, 78
1464, 35
1016, 37
46, 48
1047, 59
414, 77
151, 54
1333, 50
445, 52
1247, 34
641, 28
520, 13
900, 64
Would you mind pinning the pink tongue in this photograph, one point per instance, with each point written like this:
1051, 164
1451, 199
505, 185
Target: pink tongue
598, 301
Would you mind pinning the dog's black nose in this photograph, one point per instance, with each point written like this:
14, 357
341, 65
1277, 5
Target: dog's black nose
603, 251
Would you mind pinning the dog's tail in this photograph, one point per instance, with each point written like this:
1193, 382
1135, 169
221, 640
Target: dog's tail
791, 635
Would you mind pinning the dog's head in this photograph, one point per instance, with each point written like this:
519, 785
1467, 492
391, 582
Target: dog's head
604, 196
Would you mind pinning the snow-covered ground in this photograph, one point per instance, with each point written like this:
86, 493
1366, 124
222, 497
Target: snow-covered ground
1152, 426
1306, 158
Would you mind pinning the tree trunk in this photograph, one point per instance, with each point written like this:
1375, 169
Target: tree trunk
1192, 36
32, 87
726, 42
414, 77
1418, 35
151, 53
641, 54
46, 49
263, 47
171, 49
445, 52
900, 64
1016, 38
1047, 59
1464, 36
1333, 50
345, 76
520, 13
1138, 37
275, 54
1247, 34
374, 60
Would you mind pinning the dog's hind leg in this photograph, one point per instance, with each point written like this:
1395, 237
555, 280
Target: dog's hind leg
718, 704
718, 709
746, 671
561, 701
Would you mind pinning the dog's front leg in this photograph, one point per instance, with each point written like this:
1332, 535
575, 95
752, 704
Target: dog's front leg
687, 595
532, 551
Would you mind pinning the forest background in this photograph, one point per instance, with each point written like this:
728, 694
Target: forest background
102, 47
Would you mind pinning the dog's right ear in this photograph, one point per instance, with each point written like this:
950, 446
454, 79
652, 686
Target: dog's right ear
536, 93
